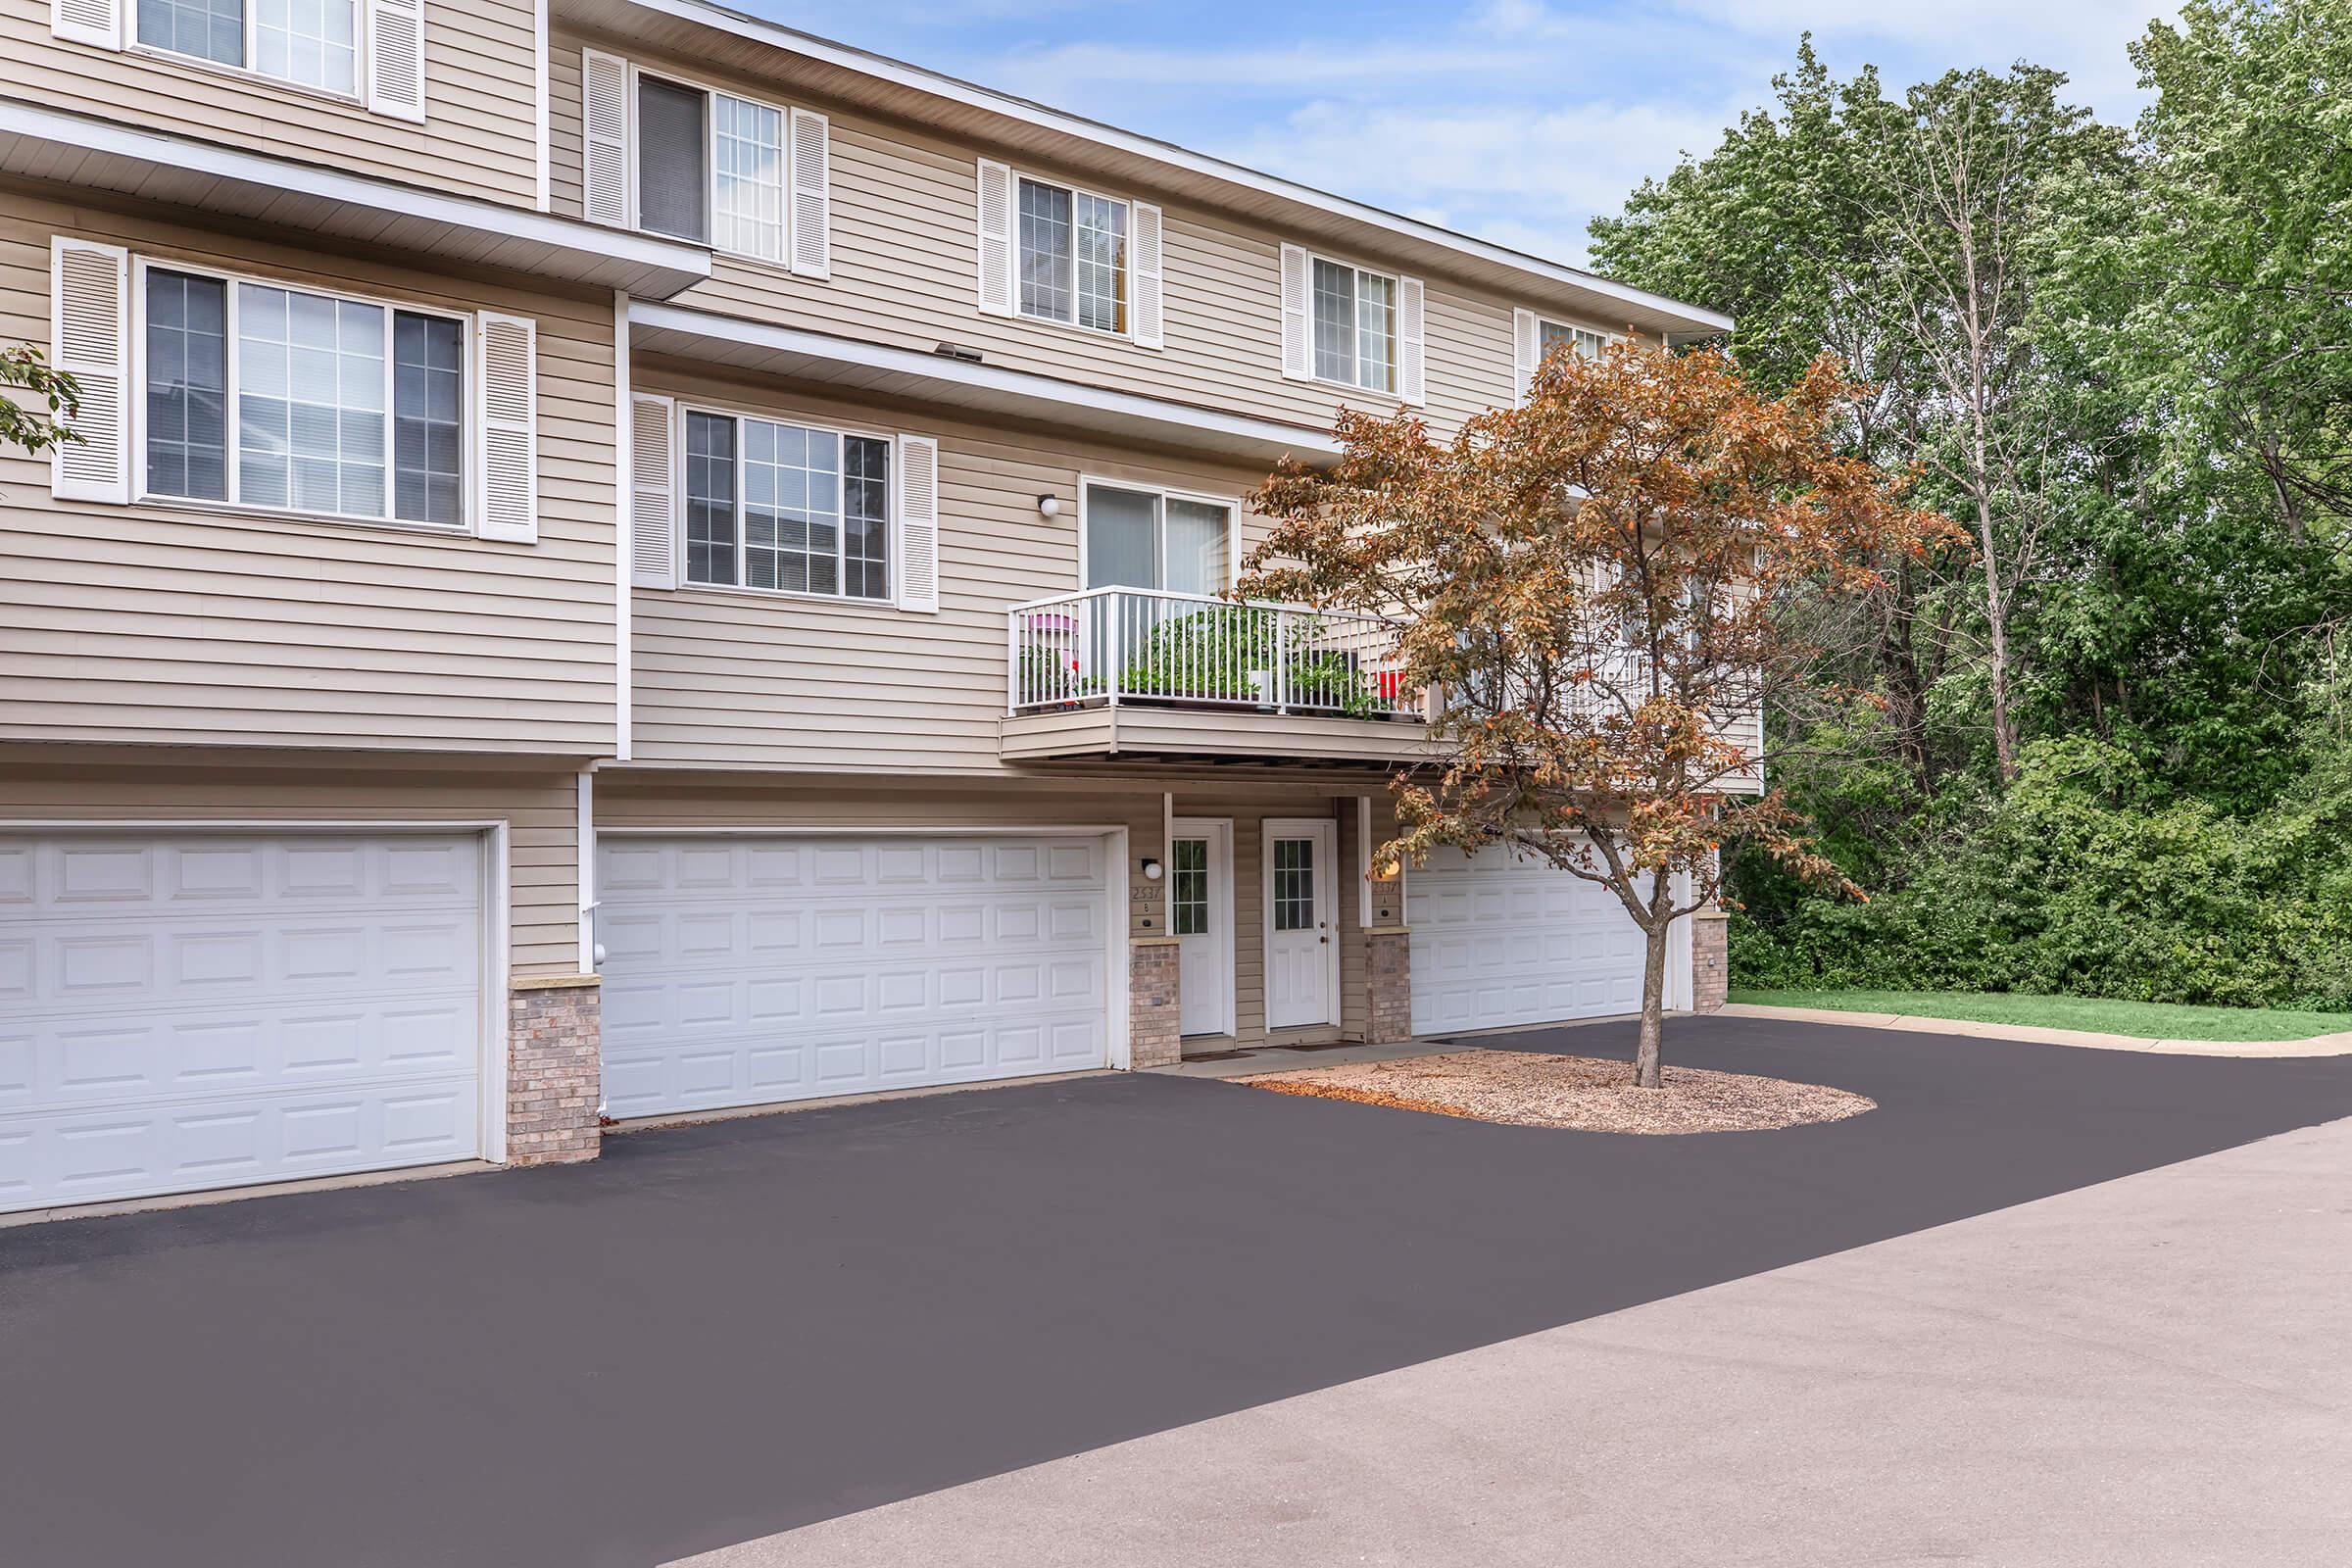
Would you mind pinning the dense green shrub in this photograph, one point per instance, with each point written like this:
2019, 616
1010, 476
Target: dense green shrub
2073, 883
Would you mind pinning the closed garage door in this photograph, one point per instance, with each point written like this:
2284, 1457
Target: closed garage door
1499, 942
741, 970
185, 1010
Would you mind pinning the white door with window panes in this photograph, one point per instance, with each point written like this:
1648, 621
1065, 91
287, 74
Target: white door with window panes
1301, 915
1169, 555
1153, 539
1201, 919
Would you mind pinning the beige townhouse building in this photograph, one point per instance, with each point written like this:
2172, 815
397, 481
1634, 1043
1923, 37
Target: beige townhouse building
623, 558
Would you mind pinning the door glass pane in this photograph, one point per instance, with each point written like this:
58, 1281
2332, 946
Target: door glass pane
187, 383
428, 461
1044, 251
709, 499
748, 139
671, 183
1122, 538
310, 402
1196, 554
1335, 321
1293, 884
1188, 888
209, 29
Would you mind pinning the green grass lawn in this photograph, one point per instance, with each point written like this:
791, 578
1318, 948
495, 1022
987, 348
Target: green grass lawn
2148, 1020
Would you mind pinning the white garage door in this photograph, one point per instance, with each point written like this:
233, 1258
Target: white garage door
1497, 941
184, 1011
741, 970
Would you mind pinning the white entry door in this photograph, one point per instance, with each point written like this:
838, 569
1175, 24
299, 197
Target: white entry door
1200, 918
1302, 923
185, 1010
743, 969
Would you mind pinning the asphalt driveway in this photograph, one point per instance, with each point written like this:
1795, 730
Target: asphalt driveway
717, 1333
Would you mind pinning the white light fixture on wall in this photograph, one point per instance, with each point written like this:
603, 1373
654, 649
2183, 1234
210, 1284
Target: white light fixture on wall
1150, 869
1049, 505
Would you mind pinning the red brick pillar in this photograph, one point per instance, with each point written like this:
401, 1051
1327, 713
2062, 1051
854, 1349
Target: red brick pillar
1389, 982
1710, 960
555, 1070
1154, 1002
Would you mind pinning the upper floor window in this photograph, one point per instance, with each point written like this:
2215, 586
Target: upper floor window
1355, 326
1352, 326
786, 507
1073, 262
1581, 341
280, 398
698, 164
312, 43
1534, 336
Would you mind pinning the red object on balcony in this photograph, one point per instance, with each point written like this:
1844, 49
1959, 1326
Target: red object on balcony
1388, 682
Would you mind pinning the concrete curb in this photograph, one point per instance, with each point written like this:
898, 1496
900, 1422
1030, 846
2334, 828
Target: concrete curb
2335, 1045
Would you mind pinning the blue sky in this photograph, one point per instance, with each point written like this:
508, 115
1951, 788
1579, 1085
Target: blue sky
1513, 119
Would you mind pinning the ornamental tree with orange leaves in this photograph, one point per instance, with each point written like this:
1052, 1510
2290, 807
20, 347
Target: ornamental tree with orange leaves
1595, 587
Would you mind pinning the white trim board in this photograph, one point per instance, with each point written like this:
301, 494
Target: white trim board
55, 145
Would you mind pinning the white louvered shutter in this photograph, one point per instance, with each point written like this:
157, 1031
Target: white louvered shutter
919, 523
604, 139
1527, 351
506, 406
1150, 321
91, 22
812, 195
995, 238
653, 493
89, 335
1298, 338
396, 57
1411, 374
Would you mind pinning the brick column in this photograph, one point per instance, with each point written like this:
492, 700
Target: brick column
1710, 960
553, 1070
1154, 1004
1389, 982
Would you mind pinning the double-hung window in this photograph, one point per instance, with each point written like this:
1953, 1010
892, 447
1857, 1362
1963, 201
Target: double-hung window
310, 43
270, 397
788, 508
1355, 326
1580, 340
1073, 257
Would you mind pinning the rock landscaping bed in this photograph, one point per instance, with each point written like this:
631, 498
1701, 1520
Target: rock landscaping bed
1522, 1089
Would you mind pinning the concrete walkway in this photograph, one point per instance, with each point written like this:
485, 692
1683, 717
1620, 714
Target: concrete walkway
2150, 1372
2338, 1044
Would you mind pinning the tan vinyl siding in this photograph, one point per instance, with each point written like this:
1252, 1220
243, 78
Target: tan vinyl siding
631, 797
539, 807
479, 136
730, 677
906, 254
159, 623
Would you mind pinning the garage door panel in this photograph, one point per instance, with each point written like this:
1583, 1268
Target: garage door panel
181, 1009
1499, 942
824, 968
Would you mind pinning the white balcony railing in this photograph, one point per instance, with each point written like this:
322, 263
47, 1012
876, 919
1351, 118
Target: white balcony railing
1113, 646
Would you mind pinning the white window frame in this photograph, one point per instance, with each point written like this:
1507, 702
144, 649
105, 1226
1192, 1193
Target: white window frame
711, 92
361, 45
1600, 340
1233, 524
1070, 273
468, 434
892, 565
1395, 282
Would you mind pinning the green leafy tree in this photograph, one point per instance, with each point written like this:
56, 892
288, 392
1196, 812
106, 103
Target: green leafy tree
38, 429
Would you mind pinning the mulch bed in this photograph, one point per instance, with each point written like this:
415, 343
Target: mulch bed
1521, 1088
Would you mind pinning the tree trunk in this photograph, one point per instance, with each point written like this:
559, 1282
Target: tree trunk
1648, 1069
